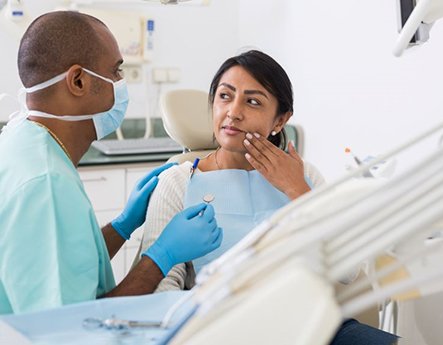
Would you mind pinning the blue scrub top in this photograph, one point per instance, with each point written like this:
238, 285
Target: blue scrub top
52, 251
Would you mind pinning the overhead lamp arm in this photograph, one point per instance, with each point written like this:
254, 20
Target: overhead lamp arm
425, 13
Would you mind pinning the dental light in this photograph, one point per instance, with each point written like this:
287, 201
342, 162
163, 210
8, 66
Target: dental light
139, 2
171, 2
176, 2
416, 19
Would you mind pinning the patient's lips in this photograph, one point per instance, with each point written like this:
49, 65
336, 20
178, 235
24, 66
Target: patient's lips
232, 130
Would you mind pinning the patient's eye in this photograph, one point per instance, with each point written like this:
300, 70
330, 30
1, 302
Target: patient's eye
253, 101
223, 95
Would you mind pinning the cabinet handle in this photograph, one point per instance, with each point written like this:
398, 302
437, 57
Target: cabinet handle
96, 179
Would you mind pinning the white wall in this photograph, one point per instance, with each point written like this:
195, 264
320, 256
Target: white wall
194, 39
349, 89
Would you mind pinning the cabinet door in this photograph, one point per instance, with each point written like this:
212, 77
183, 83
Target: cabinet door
133, 175
108, 190
118, 262
105, 188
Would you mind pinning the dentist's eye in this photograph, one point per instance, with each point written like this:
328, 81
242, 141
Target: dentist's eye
253, 102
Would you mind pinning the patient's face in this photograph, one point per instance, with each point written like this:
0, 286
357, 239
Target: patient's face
242, 105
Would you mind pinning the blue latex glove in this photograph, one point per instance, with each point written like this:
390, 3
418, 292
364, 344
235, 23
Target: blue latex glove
187, 236
134, 214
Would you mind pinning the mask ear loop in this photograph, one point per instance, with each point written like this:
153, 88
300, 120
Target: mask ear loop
99, 76
21, 97
20, 115
47, 83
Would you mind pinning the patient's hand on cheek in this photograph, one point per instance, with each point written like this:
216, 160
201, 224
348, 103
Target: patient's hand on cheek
285, 171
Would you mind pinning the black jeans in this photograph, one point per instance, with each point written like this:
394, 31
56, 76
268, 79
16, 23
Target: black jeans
353, 332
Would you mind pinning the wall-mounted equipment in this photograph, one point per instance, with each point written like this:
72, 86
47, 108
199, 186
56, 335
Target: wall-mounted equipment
415, 21
168, 2
140, 2
129, 29
14, 18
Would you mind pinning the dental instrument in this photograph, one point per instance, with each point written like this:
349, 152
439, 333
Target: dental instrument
194, 167
208, 198
118, 324
348, 150
359, 162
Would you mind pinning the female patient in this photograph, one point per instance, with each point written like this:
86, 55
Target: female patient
249, 176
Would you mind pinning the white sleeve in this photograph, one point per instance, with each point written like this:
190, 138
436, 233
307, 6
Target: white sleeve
175, 280
165, 202
313, 174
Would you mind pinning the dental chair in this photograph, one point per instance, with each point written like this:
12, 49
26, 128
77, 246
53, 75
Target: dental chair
187, 119
418, 317
419, 321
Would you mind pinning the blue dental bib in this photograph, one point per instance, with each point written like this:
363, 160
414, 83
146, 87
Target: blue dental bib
243, 199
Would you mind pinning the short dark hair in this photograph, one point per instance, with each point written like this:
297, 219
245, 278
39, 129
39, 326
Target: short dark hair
54, 42
268, 73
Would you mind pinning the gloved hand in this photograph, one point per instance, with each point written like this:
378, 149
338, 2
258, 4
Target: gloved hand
134, 214
187, 236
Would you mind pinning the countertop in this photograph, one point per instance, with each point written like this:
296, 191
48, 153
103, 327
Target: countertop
95, 157
131, 128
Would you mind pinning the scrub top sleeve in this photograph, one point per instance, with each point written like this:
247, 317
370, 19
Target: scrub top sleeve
51, 258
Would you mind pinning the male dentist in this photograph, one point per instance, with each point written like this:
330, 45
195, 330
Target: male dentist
52, 251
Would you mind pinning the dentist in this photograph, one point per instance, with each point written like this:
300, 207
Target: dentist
52, 251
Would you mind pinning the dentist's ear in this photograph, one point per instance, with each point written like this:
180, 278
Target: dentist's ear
75, 80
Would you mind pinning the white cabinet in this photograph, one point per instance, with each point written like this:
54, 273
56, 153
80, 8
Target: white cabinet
108, 188
133, 175
118, 262
105, 188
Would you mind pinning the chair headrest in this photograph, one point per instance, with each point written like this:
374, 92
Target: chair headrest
187, 119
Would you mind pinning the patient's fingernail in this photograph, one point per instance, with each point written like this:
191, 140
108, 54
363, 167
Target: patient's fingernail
257, 135
246, 141
249, 135
247, 155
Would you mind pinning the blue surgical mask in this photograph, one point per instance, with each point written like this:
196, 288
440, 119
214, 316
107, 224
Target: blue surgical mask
105, 122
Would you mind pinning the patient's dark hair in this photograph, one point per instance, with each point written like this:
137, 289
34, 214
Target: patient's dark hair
268, 73
54, 42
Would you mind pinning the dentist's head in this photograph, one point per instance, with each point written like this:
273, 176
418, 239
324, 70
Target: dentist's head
69, 63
